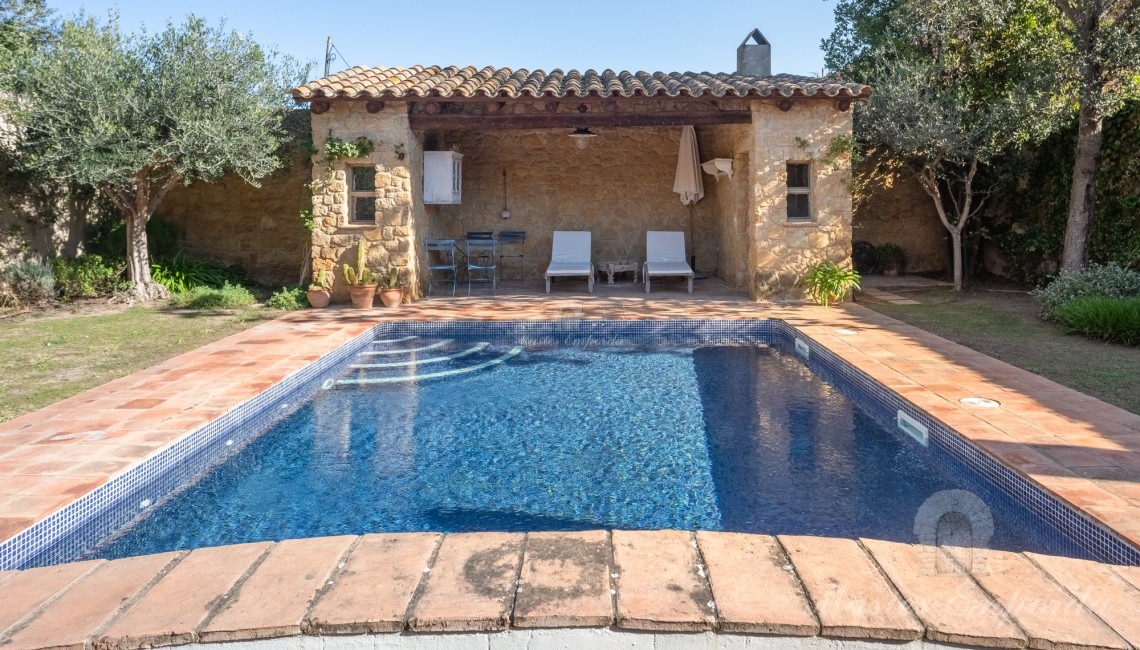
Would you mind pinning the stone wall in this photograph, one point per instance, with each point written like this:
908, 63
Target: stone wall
393, 235
233, 222
897, 211
43, 226
729, 198
780, 252
618, 188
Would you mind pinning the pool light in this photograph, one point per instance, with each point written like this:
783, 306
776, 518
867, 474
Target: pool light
980, 402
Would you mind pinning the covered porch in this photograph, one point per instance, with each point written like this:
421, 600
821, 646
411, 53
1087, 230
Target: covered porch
618, 187
541, 152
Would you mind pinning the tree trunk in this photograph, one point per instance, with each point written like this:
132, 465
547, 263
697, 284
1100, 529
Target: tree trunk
1082, 197
137, 202
956, 240
138, 260
963, 210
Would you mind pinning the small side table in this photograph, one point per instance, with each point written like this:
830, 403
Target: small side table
620, 267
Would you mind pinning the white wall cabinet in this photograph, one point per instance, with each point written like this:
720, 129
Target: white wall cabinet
443, 177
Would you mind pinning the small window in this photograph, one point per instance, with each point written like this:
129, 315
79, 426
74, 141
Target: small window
362, 194
799, 192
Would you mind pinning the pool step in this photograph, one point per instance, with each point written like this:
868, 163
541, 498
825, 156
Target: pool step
423, 348
513, 352
399, 360
478, 347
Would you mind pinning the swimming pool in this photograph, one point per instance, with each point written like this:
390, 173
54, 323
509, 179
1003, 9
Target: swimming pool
468, 433
721, 425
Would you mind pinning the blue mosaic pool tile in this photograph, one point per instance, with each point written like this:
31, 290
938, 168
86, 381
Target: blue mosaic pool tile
75, 528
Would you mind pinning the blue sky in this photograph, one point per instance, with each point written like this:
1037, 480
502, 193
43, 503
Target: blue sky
666, 35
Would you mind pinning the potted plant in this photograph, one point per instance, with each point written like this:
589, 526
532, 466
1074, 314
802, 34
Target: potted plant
319, 294
361, 281
891, 259
826, 282
392, 294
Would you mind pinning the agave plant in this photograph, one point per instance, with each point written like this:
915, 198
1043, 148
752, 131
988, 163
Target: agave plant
361, 275
827, 282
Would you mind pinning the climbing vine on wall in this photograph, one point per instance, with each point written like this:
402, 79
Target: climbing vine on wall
337, 149
1035, 201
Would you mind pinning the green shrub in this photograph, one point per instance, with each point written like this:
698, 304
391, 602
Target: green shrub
827, 283
1116, 320
890, 257
109, 238
30, 282
1096, 281
87, 276
228, 297
288, 298
181, 273
864, 257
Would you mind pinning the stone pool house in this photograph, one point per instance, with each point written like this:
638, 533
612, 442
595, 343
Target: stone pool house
543, 151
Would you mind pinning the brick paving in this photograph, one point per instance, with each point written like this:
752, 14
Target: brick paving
1085, 452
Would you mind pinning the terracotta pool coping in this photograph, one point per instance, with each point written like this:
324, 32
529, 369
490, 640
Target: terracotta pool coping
650, 581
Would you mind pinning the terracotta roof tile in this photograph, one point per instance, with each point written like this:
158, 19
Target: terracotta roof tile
452, 81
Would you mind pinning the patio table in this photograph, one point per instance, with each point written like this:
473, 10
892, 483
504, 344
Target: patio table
620, 267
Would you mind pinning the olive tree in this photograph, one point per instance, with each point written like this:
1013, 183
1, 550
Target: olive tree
136, 114
25, 25
1102, 67
971, 85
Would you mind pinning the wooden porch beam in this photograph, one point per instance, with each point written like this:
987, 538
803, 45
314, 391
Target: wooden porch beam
462, 122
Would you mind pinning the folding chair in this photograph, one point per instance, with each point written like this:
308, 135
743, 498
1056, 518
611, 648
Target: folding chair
441, 257
481, 259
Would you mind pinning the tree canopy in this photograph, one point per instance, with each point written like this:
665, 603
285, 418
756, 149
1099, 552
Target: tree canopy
965, 85
1101, 70
135, 114
25, 25
1084, 53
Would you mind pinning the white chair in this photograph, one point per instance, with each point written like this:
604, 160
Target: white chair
665, 256
570, 257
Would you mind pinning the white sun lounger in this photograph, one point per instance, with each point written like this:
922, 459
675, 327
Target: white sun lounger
665, 256
570, 257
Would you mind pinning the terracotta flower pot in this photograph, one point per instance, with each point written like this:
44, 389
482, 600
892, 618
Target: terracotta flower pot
318, 299
391, 297
362, 295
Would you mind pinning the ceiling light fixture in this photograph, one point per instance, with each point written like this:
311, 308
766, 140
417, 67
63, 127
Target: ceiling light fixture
582, 137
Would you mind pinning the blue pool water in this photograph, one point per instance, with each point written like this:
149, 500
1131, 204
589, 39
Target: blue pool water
464, 435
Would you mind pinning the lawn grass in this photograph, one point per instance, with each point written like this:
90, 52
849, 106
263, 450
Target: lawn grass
1004, 324
47, 356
